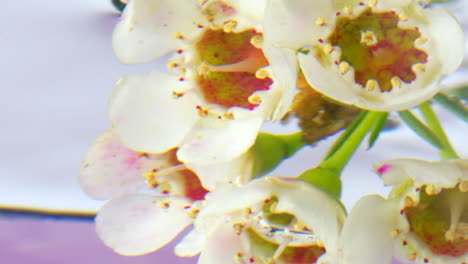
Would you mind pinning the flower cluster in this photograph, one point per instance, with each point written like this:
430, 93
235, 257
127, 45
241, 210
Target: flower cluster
185, 149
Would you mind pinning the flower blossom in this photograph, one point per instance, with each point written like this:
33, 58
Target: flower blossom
220, 89
424, 220
269, 220
135, 222
374, 54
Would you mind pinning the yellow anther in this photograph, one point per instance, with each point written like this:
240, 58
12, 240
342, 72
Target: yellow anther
463, 186
203, 69
255, 99
238, 227
327, 49
176, 94
228, 116
171, 65
202, 112
395, 233
370, 85
163, 204
348, 10
396, 82
344, 67
262, 74
369, 38
256, 41
229, 25
412, 256
372, 3
418, 68
319, 243
409, 201
420, 40
431, 189
320, 21
193, 213
178, 36
239, 257
403, 17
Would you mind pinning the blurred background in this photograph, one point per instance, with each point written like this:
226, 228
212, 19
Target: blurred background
57, 71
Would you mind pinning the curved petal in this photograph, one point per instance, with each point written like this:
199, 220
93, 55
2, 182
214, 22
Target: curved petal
447, 37
222, 246
439, 173
147, 28
224, 141
146, 115
110, 168
366, 236
138, 224
191, 245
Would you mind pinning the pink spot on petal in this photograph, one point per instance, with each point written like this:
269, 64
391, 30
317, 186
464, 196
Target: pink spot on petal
384, 169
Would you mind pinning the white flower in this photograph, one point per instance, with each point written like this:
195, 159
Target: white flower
424, 220
221, 91
374, 54
269, 220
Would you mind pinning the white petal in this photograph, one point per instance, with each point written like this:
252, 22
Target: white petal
224, 141
441, 174
147, 28
447, 37
221, 246
145, 114
110, 168
284, 66
366, 236
211, 175
292, 23
138, 224
251, 10
191, 245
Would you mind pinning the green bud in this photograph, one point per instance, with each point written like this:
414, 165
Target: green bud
325, 179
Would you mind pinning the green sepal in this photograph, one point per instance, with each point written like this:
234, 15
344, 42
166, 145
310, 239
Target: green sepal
453, 105
420, 128
119, 4
376, 129
325, 179
270, 150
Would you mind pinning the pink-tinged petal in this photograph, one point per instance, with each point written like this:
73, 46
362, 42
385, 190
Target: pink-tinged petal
224, 141
222, 246
147, 116
441, 174
148, 27
191, 245
110, 168
366, 237
138, 224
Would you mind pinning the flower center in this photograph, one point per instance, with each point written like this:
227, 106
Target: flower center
228, 64
379, 51
441, 221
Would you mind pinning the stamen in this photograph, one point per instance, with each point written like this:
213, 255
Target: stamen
370, 85
403, 17
431, 189
369, 38
249, 65
348, 10
327, 49
409, 201
229, 25
150, 177
320, 21
257, 41
412, 256
163, 204
420, 40
396, 82
262, 74
344, 67
176, 94
255, 99
418, 68
286, 240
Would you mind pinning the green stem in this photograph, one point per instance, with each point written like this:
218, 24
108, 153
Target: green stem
294, 142
447, 151
340, 158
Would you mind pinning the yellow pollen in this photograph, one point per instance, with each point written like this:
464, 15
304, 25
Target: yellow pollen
320, 21
348, 10
412, 256
420, 40
344, 67
431, 189
409, 202
202, 112
255, 99
370, 85
463, 187
228, 116
372, 3
368, 37
261, 74
418, 68
319, 243
403, 17
193, 213
177, 94
229, 25
256, 41
395, 233
178, 36
203, 69
238, 227
396, 82
171, 65
239, 257
327, 49
163, 204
